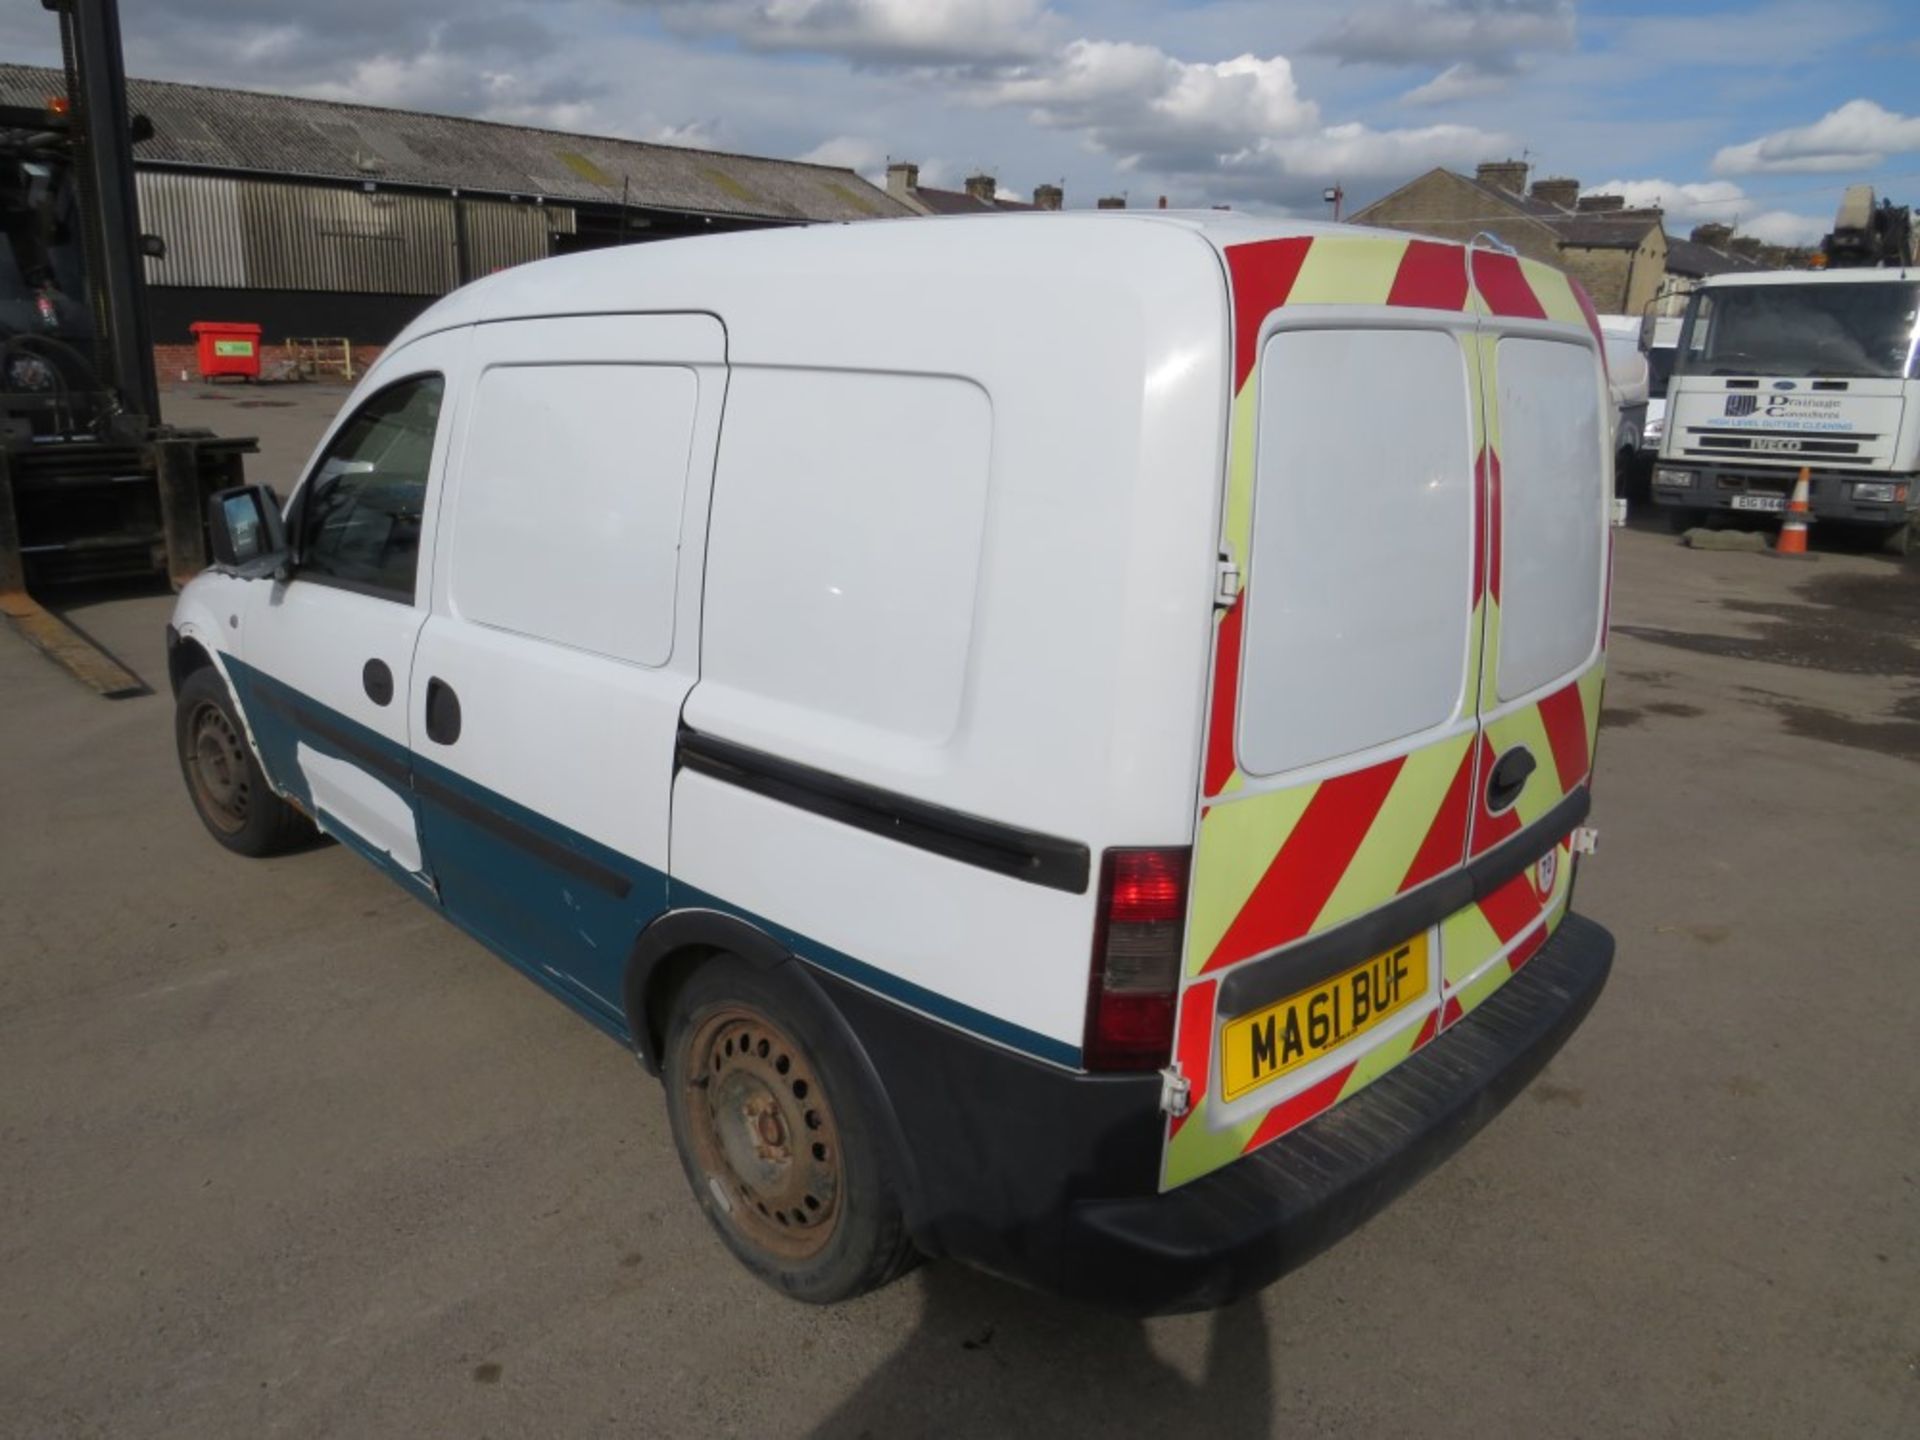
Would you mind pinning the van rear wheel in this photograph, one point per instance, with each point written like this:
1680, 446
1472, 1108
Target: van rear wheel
779, 1137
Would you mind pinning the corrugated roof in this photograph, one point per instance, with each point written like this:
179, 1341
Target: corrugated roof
242, 130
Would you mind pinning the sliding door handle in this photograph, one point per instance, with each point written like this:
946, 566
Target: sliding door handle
443, 712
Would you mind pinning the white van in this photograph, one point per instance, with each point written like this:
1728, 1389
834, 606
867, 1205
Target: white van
1062, 739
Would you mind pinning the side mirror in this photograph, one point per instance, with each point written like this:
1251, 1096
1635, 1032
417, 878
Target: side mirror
248, 537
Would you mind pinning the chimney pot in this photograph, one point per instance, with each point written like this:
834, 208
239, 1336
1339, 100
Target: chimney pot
1111, 202
1048, 197
1508, 175
982, 188
1559, 191
1600, 204
903, 178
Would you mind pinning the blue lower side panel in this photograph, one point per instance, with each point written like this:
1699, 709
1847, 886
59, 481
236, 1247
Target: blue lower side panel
556, 904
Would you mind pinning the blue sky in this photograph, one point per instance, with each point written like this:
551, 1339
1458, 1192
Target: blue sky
1756, 112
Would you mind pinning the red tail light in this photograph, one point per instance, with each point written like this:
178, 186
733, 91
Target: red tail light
1136, 959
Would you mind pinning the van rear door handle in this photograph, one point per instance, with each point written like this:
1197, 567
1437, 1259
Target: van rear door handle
1509, 778
443, 712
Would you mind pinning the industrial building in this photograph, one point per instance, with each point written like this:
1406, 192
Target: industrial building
316, 218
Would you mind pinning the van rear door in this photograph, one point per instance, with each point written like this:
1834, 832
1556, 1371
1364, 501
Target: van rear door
1549, 482
1346, 764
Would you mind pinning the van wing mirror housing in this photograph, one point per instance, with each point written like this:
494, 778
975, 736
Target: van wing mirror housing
248, 537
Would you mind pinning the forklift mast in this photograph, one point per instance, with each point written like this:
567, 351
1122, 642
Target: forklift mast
92, 485
109, 211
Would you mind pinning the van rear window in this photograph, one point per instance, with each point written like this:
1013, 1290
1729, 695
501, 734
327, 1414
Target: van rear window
1552, 511
1359, 589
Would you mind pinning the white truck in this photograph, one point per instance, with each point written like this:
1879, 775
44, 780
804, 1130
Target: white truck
1786, 369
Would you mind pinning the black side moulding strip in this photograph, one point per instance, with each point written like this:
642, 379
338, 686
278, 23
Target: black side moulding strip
1004, 849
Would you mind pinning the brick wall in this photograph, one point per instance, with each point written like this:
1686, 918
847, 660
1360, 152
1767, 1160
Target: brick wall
170, 360
1621, 282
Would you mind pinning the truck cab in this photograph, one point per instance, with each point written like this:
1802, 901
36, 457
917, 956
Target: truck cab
1794, 369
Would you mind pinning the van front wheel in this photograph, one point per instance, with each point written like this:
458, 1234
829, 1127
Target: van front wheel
229, 790
778, 1136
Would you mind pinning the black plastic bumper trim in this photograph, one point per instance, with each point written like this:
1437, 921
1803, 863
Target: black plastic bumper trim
1308, 962
1005, 849
1238, 1229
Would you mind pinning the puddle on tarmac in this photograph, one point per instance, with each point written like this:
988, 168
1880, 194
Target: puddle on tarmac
1842, 624
1899, 737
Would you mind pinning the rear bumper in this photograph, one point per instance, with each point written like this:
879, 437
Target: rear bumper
1241, 1227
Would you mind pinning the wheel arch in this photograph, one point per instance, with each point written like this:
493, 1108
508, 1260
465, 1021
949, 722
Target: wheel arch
677, 942
186, 653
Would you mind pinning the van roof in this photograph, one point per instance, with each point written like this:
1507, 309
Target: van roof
706, 271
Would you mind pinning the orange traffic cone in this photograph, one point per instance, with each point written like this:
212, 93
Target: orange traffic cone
1793, 529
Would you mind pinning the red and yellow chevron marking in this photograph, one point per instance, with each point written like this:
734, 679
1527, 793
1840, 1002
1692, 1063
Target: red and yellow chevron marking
1482, 945
1273, 865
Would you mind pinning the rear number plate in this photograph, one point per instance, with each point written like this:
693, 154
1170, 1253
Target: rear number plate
1258, 1047
1759, 502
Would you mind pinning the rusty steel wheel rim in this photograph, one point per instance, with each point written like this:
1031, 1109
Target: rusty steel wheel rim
764, 1133
217, 762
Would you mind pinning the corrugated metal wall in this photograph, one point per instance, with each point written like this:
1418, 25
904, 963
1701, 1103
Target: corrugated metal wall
246, 234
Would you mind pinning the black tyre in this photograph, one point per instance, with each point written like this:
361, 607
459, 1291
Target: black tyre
779, 1135
1680, 520
1900, 540
230, 792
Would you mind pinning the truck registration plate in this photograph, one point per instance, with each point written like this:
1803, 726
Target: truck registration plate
1759, 502
1286, 1035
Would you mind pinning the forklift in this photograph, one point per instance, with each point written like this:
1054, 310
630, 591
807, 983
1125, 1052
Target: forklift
93, 487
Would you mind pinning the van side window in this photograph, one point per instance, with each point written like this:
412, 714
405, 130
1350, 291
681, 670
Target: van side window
1359, 595
359, 519
567, 512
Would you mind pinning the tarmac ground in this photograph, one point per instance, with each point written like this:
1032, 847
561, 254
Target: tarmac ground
282, 1153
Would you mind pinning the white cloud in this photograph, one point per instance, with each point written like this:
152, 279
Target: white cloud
689, 134
1463, 81
875, 32
1857, 136
447, 83
1238, 129
851, 151
1783, 227
1718, 201
1484, 33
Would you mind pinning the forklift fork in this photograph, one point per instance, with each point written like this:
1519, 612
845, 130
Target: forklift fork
44, 630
